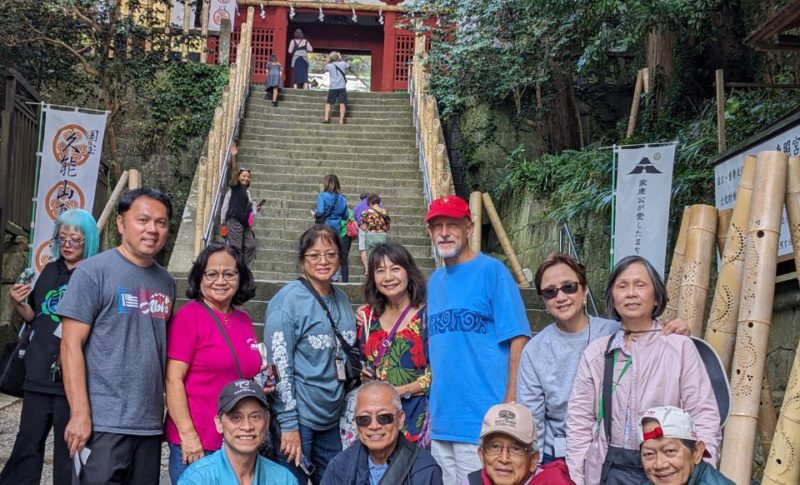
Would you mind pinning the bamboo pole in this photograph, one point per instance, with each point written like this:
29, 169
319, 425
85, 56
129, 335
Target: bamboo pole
722, 322
676, 268
202, 194
637, 94
187, 8
767, 417
720, 91
516, 268
476, 208
167, 31
646, 79
697, 267
755, 313
723, 224
134, 179
204, 32
783, 465
122, 184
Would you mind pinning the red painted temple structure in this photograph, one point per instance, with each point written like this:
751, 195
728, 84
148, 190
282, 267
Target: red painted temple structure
376, 33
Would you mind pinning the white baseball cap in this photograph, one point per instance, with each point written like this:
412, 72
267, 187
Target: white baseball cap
672, 423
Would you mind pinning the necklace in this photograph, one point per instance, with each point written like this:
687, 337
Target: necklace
226, 318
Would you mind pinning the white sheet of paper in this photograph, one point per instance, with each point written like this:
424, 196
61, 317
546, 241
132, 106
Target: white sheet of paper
81, 457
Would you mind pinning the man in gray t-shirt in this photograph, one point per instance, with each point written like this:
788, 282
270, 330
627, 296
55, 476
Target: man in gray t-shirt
113, 349
337, 89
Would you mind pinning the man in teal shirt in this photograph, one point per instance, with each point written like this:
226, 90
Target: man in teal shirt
243, 420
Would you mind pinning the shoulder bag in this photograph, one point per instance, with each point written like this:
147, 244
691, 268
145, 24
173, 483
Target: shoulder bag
352, 361
225, 336
13, 363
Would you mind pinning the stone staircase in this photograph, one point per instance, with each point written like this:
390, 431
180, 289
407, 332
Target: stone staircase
289, 152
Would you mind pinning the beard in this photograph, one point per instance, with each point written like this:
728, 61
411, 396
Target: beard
449, 253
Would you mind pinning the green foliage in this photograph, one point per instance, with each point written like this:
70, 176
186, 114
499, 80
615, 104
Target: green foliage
182, 99
577, 184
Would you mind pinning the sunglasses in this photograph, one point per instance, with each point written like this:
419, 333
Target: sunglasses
383, 419
552, 291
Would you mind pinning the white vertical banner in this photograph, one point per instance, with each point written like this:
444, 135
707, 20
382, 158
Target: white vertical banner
70, 160
644, 186
219, 10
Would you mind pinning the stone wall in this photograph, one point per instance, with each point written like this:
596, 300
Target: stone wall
15, 259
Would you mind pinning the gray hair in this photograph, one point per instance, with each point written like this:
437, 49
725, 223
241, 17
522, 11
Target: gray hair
658, 285
378, 385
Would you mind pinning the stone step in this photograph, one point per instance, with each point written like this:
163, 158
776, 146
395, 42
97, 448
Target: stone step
311, 144
284, 127
303, 108
327, 138
315, 93
353, 122
354, 183
319, 103
313, 123
404, 229
364, 171
277, 207
358, 114
309, 197
281, 156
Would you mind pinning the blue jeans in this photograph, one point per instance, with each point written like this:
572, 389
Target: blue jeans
318, 446
176, 466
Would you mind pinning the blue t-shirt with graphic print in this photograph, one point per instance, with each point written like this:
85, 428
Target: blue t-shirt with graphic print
474, 310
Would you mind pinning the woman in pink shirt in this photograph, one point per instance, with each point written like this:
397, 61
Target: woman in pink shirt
209, 344
647, 369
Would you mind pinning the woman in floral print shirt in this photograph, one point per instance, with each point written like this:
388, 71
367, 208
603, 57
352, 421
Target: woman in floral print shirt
394, 341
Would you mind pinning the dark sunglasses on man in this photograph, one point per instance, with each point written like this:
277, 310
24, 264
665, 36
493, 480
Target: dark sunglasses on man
366, 420
552, 291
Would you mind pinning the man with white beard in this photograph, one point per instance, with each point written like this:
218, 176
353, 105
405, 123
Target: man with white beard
477, 328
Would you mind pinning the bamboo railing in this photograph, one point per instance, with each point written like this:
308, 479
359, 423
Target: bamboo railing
433, 159
213, 166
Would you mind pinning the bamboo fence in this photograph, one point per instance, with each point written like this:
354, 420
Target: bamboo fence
755, 314
213, 166
476, 209
434, 161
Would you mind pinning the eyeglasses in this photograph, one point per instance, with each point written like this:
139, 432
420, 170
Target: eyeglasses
366, 420
552, 291
70, 242
315, 258
495, 448
228, 275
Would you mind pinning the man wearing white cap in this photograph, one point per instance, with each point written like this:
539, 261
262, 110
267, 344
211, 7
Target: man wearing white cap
508, 451
672, 454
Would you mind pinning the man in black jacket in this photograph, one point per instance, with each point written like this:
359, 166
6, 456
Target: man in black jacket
382, 456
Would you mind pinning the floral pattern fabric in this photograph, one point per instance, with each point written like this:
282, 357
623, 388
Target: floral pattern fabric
405, 361
374, 221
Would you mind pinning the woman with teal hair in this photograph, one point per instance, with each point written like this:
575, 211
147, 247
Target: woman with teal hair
44, 403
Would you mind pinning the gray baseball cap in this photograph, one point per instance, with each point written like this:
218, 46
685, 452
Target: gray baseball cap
235, 391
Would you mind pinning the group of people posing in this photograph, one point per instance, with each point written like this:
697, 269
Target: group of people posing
425, 383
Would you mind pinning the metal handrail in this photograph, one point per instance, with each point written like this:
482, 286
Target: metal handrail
565, 239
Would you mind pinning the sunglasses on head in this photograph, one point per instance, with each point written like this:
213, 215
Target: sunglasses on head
383, 419
552, 291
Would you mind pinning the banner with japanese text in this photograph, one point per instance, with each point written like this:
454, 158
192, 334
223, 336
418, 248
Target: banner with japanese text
641, 217
219, 10
70, 160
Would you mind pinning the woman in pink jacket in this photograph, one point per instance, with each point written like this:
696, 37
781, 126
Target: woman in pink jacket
622, 376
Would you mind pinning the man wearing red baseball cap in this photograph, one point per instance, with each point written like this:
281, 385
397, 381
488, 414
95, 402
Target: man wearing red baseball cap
477, 328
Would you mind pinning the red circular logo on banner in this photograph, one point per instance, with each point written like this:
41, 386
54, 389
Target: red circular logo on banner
43, 255
220, 15
71, 145
62, 197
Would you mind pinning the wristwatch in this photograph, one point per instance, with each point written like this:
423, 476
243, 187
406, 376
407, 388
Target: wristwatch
407, 395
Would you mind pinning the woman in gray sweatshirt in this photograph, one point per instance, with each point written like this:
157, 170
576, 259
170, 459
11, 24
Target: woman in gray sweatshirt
304, 347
